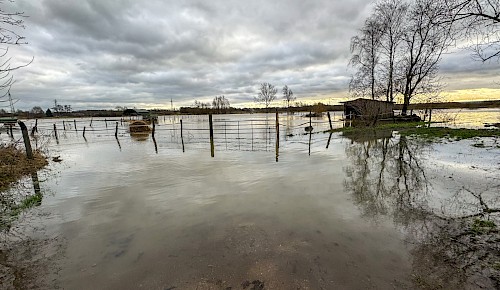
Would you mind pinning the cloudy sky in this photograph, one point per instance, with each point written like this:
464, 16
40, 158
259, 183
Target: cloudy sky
108, 53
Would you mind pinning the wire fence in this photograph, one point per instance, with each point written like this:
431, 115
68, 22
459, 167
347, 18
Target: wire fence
230, 132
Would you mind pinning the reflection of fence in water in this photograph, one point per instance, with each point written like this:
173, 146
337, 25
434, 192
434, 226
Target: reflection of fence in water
231, 132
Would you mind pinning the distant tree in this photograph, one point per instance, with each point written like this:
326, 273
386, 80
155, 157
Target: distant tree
36, 110
48, 113
288, 96
67, 108
201, 105
220, 103
267, 94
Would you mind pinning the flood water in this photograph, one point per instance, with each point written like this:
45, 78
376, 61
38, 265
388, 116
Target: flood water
322, 212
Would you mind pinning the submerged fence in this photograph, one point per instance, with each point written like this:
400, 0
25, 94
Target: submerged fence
262, 132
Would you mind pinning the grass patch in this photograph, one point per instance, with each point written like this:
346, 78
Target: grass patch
450, 133
14, 165
480, 226
29, 202
421, 130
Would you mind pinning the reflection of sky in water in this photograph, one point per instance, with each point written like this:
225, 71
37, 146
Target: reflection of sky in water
133, 212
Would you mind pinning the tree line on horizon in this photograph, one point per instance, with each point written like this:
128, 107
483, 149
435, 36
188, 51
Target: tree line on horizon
266, 95
398, 50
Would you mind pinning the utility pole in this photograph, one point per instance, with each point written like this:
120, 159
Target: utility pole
11, 104
171, 104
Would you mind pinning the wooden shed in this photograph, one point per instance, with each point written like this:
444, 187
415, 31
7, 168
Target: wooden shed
368, 109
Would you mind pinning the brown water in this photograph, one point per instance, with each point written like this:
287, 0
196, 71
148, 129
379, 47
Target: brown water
364, 213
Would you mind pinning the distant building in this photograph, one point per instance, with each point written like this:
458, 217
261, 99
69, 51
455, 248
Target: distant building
135, 112
145, 114
367, 109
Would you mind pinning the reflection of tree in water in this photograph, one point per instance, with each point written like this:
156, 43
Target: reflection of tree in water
457, 246
26, 261
384, 175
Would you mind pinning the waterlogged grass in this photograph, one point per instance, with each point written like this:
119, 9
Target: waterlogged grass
422, 130
14, 165
482, 226
449, 133
11, 210
29, 202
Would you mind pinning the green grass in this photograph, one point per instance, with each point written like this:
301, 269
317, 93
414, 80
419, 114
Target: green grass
480, 226
449, 133
421, 130
14, 210
14, 165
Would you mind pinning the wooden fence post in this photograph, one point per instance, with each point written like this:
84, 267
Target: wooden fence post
182, 138
76, 129
277, 129
26, 138
36, 125
84, 131
55, 130
329, 139
330, 120
430, 117
154, 127
277, 135
156, 145
251, 124
116, 131
212, 149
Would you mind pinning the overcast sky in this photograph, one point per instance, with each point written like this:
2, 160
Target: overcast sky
107, 53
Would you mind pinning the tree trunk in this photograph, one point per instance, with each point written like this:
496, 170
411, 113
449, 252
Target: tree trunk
406, 103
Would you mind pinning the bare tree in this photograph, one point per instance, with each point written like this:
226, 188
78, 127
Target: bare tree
399, 49
201, 105
220, 103
365, 48
9, 21
36, 110
267, 94
288, 96
479, 20
424, 42
390, 13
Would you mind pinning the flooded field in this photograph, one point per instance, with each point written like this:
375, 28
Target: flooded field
312, 211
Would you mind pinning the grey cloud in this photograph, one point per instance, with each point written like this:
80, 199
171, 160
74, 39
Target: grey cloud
93, 53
